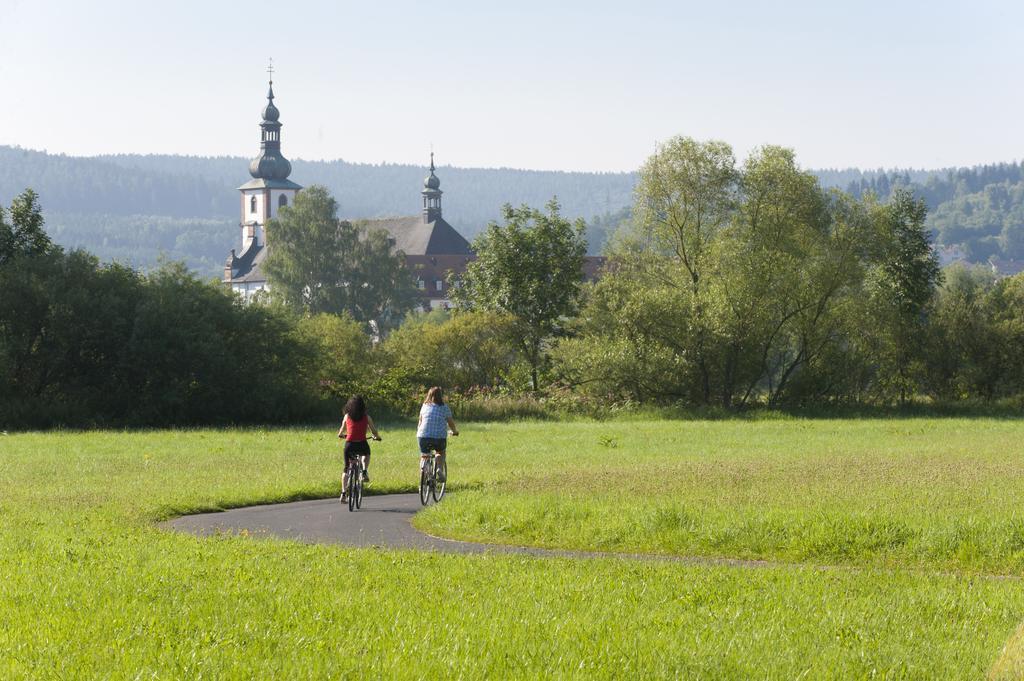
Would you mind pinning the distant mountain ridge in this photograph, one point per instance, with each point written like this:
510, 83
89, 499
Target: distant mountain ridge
975, 213
204, 187
138, 208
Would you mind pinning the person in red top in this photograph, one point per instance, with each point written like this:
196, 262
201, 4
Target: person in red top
354, 423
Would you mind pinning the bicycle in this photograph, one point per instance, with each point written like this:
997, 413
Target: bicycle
354, 471
432, 484
354, 488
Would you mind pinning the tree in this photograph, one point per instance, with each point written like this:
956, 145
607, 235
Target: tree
1006, 307
686, 194
782, 266
25, 234
1011, 237
903, 280
731, 287
64, 320
531, 268
319, 264
198, 354
964, 349
381, 287
627, 340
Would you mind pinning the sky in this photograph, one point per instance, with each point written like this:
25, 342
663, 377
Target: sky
554, 85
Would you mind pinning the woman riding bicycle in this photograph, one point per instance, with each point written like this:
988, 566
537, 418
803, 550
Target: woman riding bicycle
432, 431
353, 428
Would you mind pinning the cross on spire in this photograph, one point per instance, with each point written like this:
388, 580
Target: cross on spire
270, 69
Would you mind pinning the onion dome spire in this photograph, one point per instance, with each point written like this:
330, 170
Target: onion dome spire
270, 112
432, 181
431, 194
271, 163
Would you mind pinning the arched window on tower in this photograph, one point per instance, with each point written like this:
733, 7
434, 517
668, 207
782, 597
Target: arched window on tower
282, 201
252, 204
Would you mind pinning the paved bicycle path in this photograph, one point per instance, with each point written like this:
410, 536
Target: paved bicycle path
384, 521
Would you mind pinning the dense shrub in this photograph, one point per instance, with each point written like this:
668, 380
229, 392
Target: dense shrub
336, 355
84, 344
461, 350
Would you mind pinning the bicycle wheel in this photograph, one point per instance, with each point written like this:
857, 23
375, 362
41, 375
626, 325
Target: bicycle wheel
440, 479
359, 487
425, 476
352, 473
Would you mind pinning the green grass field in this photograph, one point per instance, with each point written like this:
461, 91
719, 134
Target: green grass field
916, 516
935, 494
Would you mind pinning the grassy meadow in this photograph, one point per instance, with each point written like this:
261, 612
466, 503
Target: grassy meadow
936, 494
898, 546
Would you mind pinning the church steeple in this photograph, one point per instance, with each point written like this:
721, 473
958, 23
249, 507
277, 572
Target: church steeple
270, 190
270, 164
431, 195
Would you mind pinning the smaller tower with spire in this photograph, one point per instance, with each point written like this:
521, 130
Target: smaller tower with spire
431, 195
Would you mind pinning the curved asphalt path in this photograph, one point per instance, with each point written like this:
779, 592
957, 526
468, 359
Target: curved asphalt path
384, 522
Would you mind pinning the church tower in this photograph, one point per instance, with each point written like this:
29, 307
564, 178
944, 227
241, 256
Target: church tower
263, 196
431, 195
270, 189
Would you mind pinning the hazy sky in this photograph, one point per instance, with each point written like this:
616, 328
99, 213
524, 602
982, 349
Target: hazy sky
587, 85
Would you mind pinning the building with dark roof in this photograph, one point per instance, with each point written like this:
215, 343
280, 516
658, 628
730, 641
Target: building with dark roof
433, 249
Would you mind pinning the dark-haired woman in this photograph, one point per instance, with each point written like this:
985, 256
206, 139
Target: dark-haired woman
432, 430
354, 423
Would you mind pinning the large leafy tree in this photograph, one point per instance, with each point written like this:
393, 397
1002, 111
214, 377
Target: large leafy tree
729, 287
320, 264
378, 284
530, 267
783, 266
686, 195
903, 281
24, 234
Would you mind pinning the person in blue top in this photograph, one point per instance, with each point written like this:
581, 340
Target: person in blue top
432, 431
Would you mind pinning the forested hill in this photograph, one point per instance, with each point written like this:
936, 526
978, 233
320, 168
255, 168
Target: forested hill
472, 196
979, 209
137, 208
